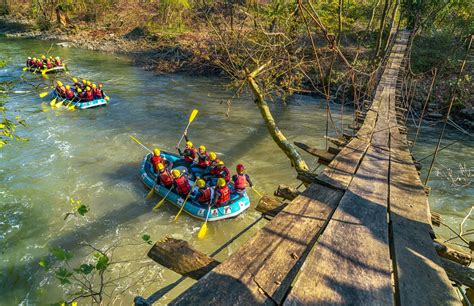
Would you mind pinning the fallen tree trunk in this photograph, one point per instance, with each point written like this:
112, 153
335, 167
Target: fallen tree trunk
179, 256
296, 160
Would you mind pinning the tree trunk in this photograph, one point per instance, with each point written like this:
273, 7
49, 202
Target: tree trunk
381, 28
339, 26
372, 15
296, 160
392, 24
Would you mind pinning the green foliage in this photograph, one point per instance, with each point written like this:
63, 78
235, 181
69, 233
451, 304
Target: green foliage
85, 269
63, 275
61, 254
147, 238
102, 261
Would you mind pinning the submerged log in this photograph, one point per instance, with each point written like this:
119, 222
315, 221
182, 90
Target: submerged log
324, 157
179, 256
452, 252
286, 192
459, 273
338, 142
269, 206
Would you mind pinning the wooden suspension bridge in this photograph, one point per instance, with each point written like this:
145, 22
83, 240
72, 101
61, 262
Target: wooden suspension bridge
359, 233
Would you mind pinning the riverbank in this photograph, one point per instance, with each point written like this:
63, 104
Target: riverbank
182, 53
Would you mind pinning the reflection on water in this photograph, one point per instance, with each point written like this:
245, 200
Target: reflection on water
88, 155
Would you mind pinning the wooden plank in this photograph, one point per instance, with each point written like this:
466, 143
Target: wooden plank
179, 256
340, 171
262, 271
351, 262
418, 267
324, 157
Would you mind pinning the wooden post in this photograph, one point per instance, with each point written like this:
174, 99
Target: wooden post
269, 206
286, 192
452, 252
179, 256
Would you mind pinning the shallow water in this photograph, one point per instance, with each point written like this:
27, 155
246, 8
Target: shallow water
88, 155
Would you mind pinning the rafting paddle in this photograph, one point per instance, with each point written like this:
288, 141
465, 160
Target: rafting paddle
203, 230
185, 200
137, 141
162, 200
258, 193
191, 119
44, 94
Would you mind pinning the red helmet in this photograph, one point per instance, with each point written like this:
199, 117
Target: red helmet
240, 168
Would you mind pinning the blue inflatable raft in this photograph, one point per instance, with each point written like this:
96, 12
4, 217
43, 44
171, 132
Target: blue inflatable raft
237, 204
80, 105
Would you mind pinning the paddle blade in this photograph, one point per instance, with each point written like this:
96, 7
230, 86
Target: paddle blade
25, 68
53, 102
59, 104
193, 115
134, 139
150, 194
159, 204
43, 94
202, 231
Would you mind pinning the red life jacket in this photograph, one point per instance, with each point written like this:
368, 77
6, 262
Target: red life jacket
189, 154
240, 182
155, 160
224, 195
166, 179
57, 62
203, 161
182, 185
49, 65
69, 94
88, 96
97, 93
205, 195
39, 64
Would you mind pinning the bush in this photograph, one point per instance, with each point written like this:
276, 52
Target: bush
43, 23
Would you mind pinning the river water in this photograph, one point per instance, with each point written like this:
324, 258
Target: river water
88, 155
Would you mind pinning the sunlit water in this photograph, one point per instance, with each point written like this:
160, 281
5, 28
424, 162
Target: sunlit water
88, 155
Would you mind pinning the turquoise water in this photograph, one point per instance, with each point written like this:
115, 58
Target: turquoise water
88, 155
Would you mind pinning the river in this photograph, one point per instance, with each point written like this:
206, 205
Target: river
88, 155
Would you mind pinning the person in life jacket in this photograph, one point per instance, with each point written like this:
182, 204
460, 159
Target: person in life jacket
181, 183
203, 157
69, 93
241, 179
213, 160
203, 195
49, 64
76, 83
189, 153
28, 62
221, 193
60, 89
221, 171
157, 159
164, 176
88, 95
33, 62
57, 61
101, 91
84, 84
39, 64
79, 95
43, 59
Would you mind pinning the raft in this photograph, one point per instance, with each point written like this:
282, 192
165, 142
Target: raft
80, 105
237, 204
56, 69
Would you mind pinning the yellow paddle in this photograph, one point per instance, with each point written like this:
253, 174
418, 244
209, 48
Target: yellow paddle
44, 94
191, 119
162, 200
25, 68
53, 102
258, 193
203, 230
137, 141
185, 200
